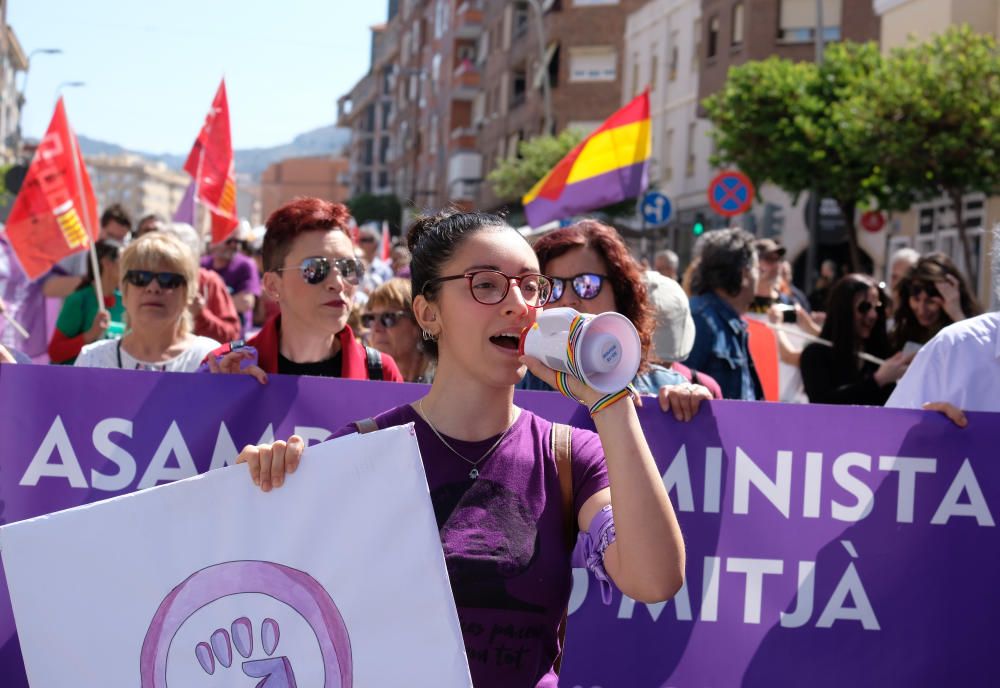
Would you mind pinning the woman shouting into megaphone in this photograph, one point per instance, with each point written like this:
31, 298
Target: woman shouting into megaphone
493, 468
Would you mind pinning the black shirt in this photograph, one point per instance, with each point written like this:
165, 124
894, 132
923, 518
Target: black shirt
827, 383
331, 367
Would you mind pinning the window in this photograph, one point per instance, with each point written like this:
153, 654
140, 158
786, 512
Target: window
675, 54
383, 152
691, 158
519, 87
635, 75
737, 37
713, 36
653, 70
592, 64
386, 115
797, 20
696, 53
521, 19
668, 154
383, 180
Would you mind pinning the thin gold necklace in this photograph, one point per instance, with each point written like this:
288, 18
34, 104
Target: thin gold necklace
474, 473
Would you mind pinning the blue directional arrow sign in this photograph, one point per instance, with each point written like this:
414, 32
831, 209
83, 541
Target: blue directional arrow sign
656, 208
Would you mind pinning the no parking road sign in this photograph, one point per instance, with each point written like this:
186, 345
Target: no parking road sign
730, 193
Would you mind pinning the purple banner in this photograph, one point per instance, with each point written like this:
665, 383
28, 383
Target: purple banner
826, 546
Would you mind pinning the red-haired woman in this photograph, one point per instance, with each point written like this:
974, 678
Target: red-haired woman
311, 272
592, 271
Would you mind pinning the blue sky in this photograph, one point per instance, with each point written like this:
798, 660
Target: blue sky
151, 67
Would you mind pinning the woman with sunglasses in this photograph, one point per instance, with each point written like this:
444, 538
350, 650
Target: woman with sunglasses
491, 469
159, 281
388, 318
311, 272
592, 271
855, 324
932, 295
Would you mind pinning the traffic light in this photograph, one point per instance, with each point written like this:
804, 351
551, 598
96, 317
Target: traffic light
698, 228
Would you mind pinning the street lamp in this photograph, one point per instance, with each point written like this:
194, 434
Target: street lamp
68, 84
24, 86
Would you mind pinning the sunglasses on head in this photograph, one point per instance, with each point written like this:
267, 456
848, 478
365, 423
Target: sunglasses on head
917, 289
388, 319
865, 307
166, 280
587, 285
316, 269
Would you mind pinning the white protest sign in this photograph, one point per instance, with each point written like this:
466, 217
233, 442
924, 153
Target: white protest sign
336, 579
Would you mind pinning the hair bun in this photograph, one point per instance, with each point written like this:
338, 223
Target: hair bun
424, 224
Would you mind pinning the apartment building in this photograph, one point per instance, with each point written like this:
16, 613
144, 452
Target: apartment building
140, 186
13, 61
368, 111
320, 176
582, 56
662, 52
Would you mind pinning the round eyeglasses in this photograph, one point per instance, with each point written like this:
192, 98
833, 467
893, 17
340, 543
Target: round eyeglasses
316, 269
490, 287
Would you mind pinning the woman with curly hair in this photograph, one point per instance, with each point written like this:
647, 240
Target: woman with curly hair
932, 295
592, 271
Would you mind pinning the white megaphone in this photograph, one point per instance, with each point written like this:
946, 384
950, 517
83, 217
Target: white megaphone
602, 350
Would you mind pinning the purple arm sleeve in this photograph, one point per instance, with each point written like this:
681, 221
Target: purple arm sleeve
592, 546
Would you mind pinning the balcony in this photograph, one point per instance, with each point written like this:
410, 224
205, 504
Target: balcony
465, 174
469, 19
465, 81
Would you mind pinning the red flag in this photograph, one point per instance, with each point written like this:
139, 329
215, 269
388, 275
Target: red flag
211, 165
386, 248
55, 213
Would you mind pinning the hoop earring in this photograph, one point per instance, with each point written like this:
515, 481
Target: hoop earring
428, 337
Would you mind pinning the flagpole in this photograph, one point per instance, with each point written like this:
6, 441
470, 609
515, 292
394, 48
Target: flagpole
95, 264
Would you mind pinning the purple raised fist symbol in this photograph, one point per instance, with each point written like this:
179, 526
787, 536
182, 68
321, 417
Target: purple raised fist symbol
276, 672
295, 612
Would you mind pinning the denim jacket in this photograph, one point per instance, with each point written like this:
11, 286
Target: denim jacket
720, 348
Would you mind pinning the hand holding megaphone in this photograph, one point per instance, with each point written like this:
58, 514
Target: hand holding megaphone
603, 351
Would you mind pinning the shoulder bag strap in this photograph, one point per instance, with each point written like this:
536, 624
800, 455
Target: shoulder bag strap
373, 359
561, 439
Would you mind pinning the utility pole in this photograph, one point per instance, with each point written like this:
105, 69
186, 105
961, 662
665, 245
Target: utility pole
536, 5
813, 250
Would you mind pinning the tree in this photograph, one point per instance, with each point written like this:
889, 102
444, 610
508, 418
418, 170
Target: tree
514, 177
934, 109
372, 208
781, 122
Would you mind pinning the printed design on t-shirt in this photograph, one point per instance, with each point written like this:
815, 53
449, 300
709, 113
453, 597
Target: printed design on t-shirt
489, 537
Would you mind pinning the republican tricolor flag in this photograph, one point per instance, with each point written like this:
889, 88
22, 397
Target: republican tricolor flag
55, 213
211, 164
609, 166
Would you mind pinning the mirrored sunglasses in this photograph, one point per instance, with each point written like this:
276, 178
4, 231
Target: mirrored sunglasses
387, 319
316, 269
587, 285
165, 280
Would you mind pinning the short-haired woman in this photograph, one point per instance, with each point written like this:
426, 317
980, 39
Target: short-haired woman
311, 271
159, 276
392, 329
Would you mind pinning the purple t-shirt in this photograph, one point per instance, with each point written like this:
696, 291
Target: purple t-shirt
240, 275
504, 543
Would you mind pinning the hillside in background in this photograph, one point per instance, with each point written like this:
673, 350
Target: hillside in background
329, 140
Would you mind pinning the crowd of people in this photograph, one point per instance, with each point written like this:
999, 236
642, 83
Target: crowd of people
313, 297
